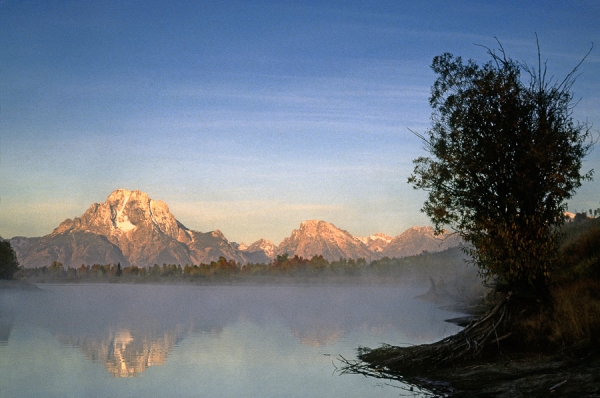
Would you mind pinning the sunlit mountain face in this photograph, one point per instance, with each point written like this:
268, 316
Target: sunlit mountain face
130, 228
315, 237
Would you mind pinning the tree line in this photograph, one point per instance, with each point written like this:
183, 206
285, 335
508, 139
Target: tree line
282, 265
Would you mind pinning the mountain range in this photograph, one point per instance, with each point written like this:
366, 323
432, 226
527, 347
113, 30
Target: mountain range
130, 228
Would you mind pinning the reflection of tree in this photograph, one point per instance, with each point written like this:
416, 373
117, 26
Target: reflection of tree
127, 352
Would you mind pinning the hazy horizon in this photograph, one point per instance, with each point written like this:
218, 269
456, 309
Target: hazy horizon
249, 117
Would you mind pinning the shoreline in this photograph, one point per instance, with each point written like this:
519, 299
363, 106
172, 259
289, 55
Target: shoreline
515, 375
18, 284
499, 371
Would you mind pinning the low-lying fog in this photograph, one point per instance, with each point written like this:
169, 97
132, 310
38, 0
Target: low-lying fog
90, 309
183, 334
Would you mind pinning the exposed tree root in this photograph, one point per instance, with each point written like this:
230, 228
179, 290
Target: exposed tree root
488, 330
408, 364
468, 343
467, 364
359, 367
411, 385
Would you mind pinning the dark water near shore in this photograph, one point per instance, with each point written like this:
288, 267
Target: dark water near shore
214, 341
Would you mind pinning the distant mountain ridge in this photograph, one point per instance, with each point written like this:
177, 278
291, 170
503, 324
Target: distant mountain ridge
315, 237
416, 240
132, 229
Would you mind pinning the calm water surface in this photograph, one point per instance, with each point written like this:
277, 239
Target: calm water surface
204, 341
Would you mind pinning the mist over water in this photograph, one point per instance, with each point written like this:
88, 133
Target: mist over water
207, 340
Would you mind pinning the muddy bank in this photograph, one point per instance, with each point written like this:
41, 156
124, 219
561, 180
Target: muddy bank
516, 375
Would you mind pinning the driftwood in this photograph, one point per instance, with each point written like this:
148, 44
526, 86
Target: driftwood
410, 386
557, 385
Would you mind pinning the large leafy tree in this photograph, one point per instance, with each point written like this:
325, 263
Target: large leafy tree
504, 155
8, 260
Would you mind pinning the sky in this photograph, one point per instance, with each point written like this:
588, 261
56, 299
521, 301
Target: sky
251, 116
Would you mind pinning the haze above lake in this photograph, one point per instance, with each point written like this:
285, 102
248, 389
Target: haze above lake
213, 340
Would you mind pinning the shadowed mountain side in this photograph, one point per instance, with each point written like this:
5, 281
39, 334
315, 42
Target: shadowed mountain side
209, 246
73, 248
415, 240
23, 246
262, 251
257, 257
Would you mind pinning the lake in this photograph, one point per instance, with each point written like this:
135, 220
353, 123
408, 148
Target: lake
280, 340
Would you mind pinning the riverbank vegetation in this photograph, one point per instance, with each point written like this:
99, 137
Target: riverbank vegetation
534, 347
571, 319
504, 156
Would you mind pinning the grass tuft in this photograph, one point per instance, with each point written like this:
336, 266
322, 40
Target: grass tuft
572, 320
576, 316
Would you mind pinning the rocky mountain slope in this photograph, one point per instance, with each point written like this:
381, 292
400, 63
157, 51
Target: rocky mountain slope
129, 228
261, 251
316, 237
132, 229
415, 240
376, 243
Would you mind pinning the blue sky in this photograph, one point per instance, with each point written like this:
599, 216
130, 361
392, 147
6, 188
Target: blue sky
250, 116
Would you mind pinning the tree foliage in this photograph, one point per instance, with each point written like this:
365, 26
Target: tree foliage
505, 154
8, 260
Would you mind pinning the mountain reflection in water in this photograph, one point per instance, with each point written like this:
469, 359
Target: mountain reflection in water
247, 336
126, 352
